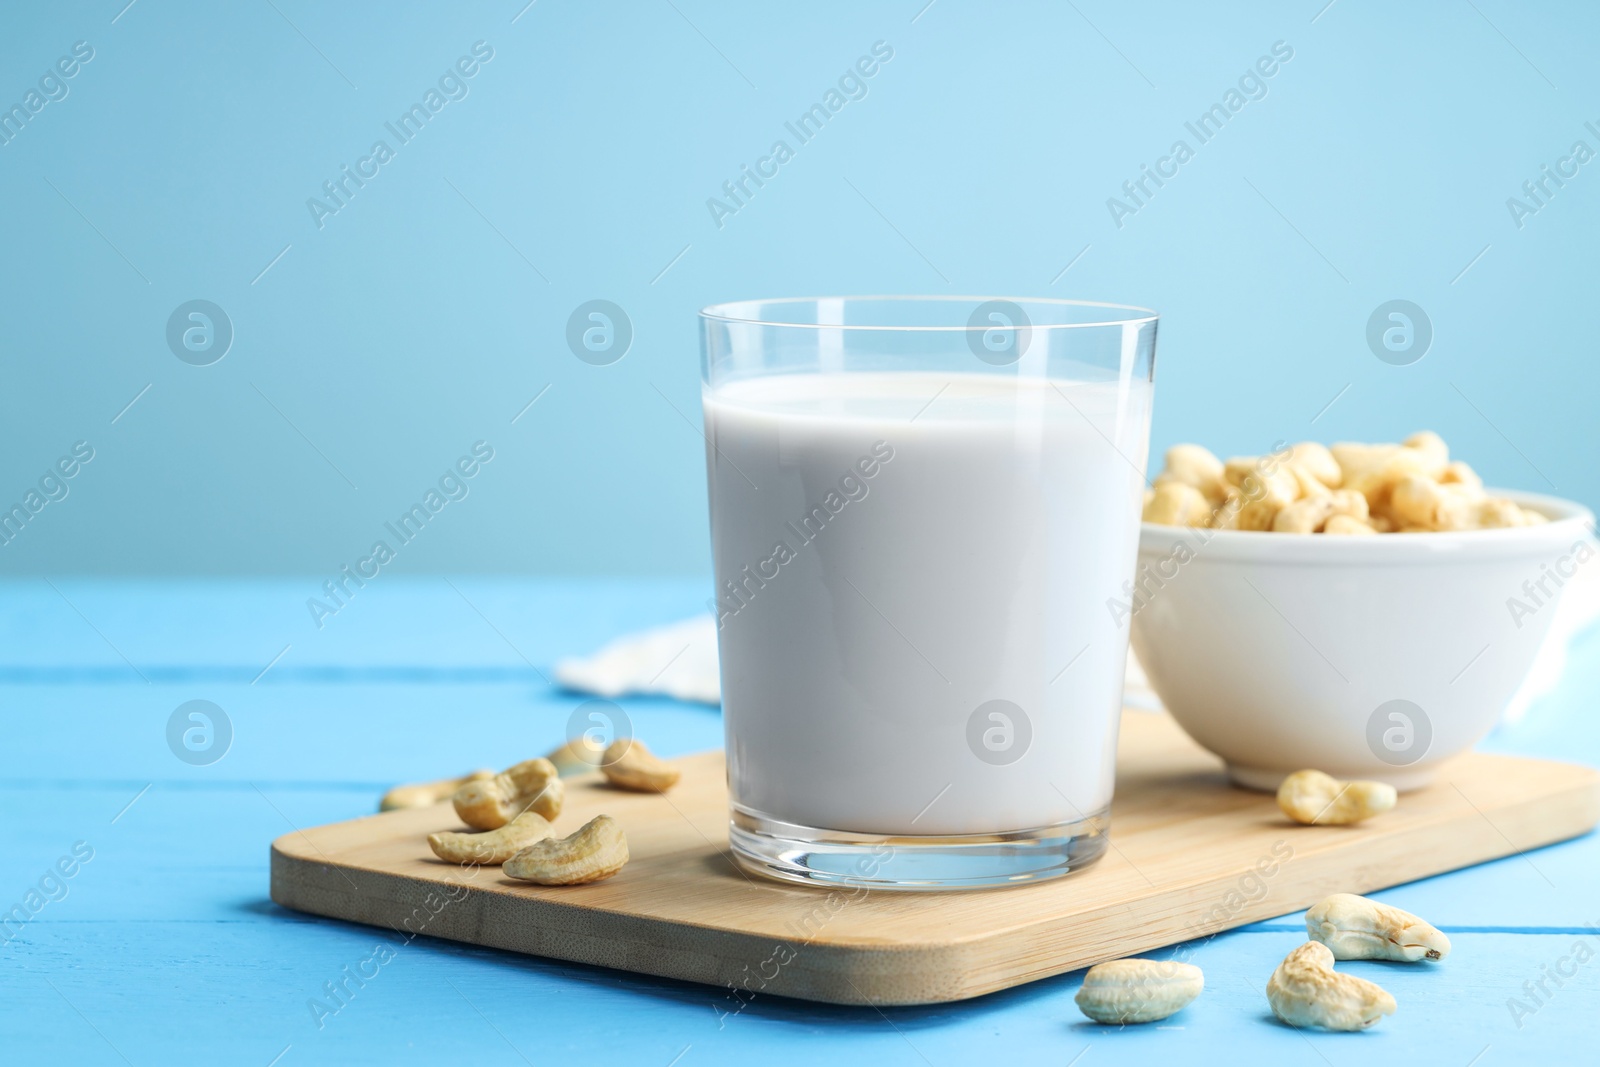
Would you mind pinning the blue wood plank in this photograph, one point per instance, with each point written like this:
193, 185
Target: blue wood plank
373, 734
242, 992
401, 622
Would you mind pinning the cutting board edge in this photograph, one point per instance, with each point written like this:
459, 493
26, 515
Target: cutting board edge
881, 974
729, 960
1584, 816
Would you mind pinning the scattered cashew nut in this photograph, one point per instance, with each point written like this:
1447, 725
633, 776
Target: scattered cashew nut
1138, 991
598, 850
492, 847
1305, 990
575, 757
530, 785
1314, 798
426, 794
1356, 928
627, 763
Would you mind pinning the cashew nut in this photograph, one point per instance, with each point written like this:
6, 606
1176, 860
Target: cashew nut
1260, 514
1304, 516
598, 850
575, 757
1498, 514
425, 794
1306, 483
1351, 503
492, 847
1458, 473
1197, 467
1265, 485
1316, 460
1138, 991
1424, 502
1346, 524
1356, 928
627, 763
1226, 517
1318, 799
531, 785
1435, 453
1305, 990
1176, 503
1262, 477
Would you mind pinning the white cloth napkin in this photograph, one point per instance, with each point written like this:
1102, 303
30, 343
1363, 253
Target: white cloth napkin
680, 660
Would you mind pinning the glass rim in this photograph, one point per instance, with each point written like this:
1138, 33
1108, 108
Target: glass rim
729, 312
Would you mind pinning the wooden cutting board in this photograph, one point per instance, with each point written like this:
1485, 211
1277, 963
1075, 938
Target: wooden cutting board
1190, 855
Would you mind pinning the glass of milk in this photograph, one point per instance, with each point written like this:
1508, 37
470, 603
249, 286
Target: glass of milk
924, 512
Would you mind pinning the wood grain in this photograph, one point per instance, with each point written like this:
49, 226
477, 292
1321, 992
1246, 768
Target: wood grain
1190, 855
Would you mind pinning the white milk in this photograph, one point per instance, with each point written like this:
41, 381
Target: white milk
899, 564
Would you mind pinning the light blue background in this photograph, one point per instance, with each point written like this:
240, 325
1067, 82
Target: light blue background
378, 348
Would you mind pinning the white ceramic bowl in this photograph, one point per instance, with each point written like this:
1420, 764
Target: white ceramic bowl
1370, 657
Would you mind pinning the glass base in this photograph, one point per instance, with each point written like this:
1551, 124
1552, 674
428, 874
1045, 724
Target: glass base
804, 854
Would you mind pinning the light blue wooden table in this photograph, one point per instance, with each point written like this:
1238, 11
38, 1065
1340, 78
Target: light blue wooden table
163, 948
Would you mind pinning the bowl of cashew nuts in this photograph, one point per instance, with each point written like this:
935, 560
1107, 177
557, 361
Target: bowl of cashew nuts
1369, 609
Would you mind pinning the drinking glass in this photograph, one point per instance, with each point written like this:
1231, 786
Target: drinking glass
924, 516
